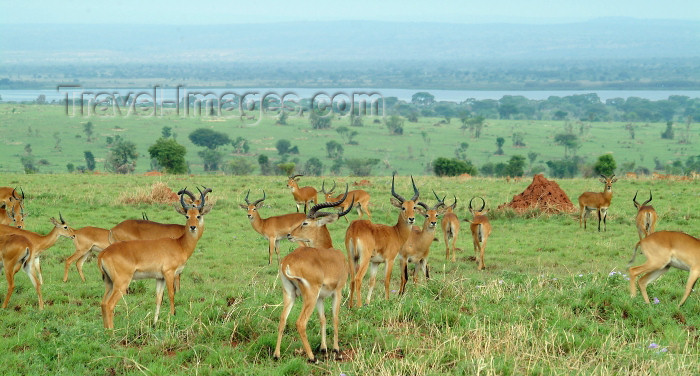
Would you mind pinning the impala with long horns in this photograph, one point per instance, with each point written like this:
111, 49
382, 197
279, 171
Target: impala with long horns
369, 244
450, 228
417, 247
159, 259
646, 217
304, 195
481, 229
598, 201
663, 250
275, 228
359, 197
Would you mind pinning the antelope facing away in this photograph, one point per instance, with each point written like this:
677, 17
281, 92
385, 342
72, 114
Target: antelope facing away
359, 197
450, 228
17, 252
369, 244
599, 201
161, 259
417, 246
303, 195
314, 273
663, 250
273, 228
646, 217
481, 229
312, 231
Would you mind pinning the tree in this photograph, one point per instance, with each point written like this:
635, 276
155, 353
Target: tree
239, 166
70, 167
515, 166
565, 168
170, 155
264, 163
532, 156
499, 142
121, 159
240, 145
518, 140
283, 146
166, 132
395, 124
453, 167
505, 111
668, 133
423, 99
361, 166
313, 167
355, 121
211, 159
461, 151
287, 168
319, 122
334, 149
569, 141
57, 137
560, 115
88, 128
89, 160
605, 165
208, 138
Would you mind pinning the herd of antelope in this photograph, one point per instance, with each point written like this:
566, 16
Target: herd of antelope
143, 249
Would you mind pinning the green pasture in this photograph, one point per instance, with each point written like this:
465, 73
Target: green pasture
411, 153
553, 298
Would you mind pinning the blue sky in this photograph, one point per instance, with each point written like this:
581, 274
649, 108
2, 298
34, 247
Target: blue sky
262, 11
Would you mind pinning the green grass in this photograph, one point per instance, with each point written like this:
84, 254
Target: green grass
407, 154
545, 304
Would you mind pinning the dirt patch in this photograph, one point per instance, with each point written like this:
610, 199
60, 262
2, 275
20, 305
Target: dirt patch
542, 194
362, 183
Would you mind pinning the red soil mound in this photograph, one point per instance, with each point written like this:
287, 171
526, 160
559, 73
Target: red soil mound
362, 183
543, 194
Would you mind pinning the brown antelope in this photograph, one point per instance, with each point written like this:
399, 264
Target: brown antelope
303, 195
13, 216
86, 239
17, 252
369, 244
359, 197
274, 228
312, 231
417, 246
40, 243
9, 198
450, 228
599, 201
481, 229
161, 259
663, 250
315, 274
646, 217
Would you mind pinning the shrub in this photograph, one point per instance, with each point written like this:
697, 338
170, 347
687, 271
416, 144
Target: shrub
239, 166
453, 167
606, 165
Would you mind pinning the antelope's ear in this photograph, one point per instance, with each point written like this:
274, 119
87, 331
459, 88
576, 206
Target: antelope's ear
259, 205
614, 180
54, 221
442, 210
395, 202
206, 209
326, 219
602, 180
244, 207
421, 210
180, 209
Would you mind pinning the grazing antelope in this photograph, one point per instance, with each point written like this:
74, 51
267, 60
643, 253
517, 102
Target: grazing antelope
40, 243
646, 217
663, 250
13, 216
359, 197
303, 195
599, 201
274, 228
417, 246
161, 259
86, 239
369, 244
450, 228
315, 274
312, 231
17, 252
481, 229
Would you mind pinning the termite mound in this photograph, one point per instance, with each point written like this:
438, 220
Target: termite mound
542, 194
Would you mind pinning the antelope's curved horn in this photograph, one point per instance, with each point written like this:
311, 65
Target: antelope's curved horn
482, 206
182, 194
346, 211
60, 216
454, 205
424, 205
295, 176
649, 200
202, 196
260, 200
313, 211
634, 199
246, 198
323, 187
393, 192
415, 190
332, 189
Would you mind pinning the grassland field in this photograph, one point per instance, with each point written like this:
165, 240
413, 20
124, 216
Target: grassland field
411, 153
553, 298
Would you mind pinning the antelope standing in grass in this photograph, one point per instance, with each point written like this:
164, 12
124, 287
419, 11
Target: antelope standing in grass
161, 259
663, 250
646, 217
481, 229
275, 228
18, 252
303, 195
369, 244
314, 273
599, 201
417, 247
450, 228
86, 239
359, 198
